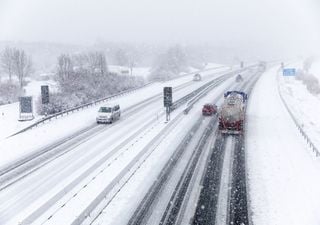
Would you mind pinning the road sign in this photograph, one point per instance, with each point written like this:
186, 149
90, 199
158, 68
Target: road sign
289, 72
44, 94
167, 96
25, 104
26, 109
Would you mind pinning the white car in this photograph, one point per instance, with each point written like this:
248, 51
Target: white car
108, 113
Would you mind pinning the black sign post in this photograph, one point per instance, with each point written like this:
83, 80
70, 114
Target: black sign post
44, 94
167, 101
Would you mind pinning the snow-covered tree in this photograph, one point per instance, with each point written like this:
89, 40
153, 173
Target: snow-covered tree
22, 65
64, 68
6, 61
170, 63
84, 78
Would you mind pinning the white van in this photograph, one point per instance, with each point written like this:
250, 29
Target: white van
108, 113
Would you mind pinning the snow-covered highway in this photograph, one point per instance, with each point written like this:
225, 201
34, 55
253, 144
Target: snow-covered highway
31, 196
111, 174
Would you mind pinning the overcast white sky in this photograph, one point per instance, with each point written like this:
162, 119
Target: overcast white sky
290, 23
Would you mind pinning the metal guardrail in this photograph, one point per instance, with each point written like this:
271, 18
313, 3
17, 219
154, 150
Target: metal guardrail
87, 105
37, 154
78, 108
194, 72
204, 90
93, 210
302, 132
184, 99
147, 202
95, 207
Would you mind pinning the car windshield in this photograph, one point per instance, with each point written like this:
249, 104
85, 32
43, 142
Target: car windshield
105, 109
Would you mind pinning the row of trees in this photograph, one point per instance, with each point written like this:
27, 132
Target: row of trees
83, 78
15, 62
86, 72
311, 82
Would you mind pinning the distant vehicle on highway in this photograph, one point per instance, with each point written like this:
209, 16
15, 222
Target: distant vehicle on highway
108, 113
209, 109
262, 66
239, 78
197, 77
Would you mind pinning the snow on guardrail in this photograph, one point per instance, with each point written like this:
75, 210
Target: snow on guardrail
302, 132
77, 108
87, 105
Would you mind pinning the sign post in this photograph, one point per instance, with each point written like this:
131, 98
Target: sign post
26, 109
45, 98
44, 94
167, 101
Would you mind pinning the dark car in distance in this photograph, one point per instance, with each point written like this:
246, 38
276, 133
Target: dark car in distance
209, 109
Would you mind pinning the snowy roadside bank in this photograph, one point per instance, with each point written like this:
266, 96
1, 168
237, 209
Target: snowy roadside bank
304, 105
282, 175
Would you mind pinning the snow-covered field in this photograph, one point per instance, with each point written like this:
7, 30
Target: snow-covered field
9, 113
283, 175
124, 70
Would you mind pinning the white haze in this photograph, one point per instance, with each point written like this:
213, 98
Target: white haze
256, 25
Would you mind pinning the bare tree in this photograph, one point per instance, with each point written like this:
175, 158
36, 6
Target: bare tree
84, 72
97, 63
101, 63
22, 65
7, 62
64, 68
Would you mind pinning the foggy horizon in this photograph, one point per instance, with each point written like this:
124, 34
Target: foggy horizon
290, 26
